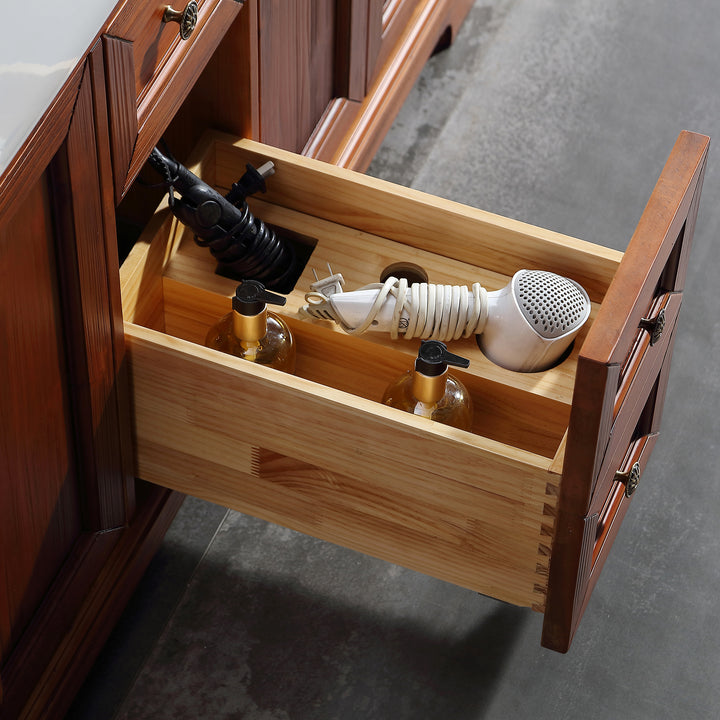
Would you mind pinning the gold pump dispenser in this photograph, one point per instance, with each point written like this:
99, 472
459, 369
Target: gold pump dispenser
428, 390
253, 333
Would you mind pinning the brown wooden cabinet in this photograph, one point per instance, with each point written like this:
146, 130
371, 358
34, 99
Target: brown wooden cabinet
323, 79
76, 529
67, 492
526, 505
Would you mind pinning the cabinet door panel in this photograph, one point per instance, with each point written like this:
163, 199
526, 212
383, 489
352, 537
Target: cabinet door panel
85, 235
64, 443
296, 68
358, 37
39, 493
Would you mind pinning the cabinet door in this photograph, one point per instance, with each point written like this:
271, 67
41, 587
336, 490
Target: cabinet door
64, 443
359, 29
296, 42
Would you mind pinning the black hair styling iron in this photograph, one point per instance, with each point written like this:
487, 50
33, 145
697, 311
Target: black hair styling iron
244, 246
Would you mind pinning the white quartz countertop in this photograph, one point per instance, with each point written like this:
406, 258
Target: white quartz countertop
42, 43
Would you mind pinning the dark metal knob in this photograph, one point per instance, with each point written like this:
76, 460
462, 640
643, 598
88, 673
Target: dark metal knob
187, 18
654, 326
629, 479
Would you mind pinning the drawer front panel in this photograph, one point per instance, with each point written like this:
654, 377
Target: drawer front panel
624, 482
650, 345
602, 527
637, 388
339, 467
154, 41
620, 385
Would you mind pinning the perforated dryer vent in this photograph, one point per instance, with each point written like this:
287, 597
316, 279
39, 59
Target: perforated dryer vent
552, 304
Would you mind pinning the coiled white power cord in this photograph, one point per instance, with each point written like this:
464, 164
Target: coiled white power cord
526, 326
422, 310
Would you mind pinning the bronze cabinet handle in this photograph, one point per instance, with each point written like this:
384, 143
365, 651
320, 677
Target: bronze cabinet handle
187, 18
654, 326
629, 479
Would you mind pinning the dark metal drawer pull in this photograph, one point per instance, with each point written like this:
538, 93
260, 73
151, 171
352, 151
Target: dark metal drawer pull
187, 18
629, 479
654, 326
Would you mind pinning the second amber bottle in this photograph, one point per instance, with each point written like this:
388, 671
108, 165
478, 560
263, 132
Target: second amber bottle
429, 391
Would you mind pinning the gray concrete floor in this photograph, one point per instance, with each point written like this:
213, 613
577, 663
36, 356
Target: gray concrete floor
560, 114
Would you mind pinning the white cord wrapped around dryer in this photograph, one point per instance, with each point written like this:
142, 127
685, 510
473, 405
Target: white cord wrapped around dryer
422, 310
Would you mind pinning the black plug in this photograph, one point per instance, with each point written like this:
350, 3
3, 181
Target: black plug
251, 182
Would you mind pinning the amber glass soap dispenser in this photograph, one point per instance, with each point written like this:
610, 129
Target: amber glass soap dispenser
428, 390
251, 332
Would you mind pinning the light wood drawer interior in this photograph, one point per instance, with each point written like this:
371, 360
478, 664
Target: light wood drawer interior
317, 451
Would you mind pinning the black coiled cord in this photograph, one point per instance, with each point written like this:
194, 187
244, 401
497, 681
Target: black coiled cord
244, 246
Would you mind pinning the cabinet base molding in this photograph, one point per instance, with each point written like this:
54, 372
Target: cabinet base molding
87, 610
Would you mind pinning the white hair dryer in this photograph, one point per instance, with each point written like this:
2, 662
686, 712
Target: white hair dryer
526, 326
533, 320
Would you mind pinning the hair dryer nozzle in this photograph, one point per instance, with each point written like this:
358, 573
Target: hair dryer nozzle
532, 320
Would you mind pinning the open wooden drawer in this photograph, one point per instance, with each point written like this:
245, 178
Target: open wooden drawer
525, 507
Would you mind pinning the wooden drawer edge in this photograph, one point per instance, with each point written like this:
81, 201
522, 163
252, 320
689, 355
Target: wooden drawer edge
351, 128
